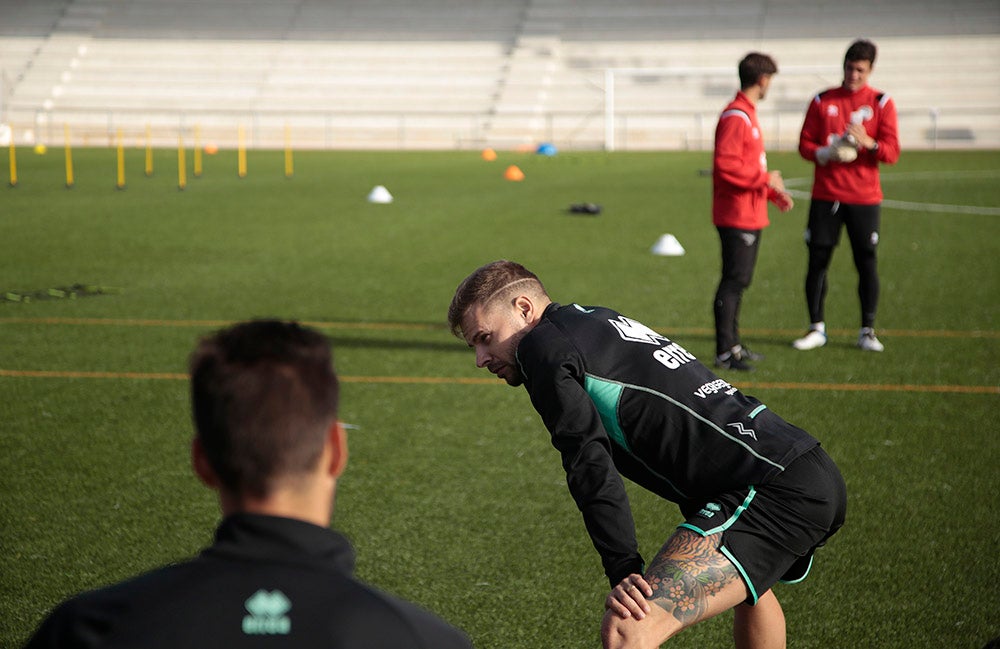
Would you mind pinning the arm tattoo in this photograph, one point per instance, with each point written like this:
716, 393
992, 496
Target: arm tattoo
686, 572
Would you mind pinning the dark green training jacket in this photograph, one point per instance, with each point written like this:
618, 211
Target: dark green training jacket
619, 399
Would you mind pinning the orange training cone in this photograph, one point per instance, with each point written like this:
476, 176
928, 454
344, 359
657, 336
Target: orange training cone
513, 173
489, 155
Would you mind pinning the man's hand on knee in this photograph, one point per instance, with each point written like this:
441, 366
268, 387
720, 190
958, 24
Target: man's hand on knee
628, 599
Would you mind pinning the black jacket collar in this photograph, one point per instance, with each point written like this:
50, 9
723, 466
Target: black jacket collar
258, 537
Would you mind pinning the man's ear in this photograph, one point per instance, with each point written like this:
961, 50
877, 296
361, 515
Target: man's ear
202, 467
338, 445
525, 307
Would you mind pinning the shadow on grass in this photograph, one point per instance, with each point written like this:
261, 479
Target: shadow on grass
340, 342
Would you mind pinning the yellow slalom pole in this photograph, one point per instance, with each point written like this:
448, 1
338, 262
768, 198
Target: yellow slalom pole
197, 151
289, 162
120, 184
242, 155
149, 153
181, 162
69, 158
13, 162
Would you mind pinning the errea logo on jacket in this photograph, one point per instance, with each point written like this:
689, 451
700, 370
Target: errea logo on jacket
671, 355
636, 332
267, 614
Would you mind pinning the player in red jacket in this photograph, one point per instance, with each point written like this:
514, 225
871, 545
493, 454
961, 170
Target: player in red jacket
847, 132
741, 188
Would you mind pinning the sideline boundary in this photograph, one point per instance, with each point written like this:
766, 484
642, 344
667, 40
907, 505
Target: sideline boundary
427, 326
432, 327
458, 380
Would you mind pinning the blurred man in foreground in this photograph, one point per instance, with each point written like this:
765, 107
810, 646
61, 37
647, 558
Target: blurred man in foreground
264, 398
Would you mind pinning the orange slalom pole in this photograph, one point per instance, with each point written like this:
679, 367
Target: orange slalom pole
289, 162
181, 164
13, 162
242, 154
120, 182
69, 158
197, 151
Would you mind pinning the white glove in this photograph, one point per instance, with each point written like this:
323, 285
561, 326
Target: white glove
846, 149
839, 151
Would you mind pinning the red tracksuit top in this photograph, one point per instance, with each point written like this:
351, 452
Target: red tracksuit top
739, 169
827, 117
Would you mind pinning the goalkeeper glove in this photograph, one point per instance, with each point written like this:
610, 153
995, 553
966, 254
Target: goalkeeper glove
824, 154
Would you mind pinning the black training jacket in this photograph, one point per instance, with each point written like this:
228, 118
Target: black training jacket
265, 582
619, 399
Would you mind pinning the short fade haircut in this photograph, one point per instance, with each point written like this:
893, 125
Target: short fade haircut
861, 50
753, 66
494, 281
264, 395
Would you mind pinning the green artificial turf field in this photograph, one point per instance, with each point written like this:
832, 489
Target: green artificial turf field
453, 496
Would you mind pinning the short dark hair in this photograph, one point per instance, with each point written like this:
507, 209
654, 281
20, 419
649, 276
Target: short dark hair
753, 66
488, 283
861, 50
264, 395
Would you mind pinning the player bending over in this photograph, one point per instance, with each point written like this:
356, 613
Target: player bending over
759, 495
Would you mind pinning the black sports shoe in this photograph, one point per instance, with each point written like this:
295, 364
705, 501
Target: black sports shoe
744, 354
730, 361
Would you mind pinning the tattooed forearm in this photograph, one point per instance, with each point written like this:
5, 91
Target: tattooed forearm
686, 572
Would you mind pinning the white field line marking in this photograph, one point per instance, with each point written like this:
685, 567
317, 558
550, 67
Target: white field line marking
912, 206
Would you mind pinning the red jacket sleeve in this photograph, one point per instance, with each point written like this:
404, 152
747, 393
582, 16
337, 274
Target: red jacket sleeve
811, 137
888, 134
731, 162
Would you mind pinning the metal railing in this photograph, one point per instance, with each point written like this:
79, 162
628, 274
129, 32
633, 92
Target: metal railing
920, 128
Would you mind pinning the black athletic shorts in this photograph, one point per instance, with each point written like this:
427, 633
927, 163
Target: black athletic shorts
771, 531
827, 217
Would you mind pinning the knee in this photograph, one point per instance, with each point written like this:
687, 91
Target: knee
628, 633
819, 257
866, 260
612, 632
618, 632
733, 284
